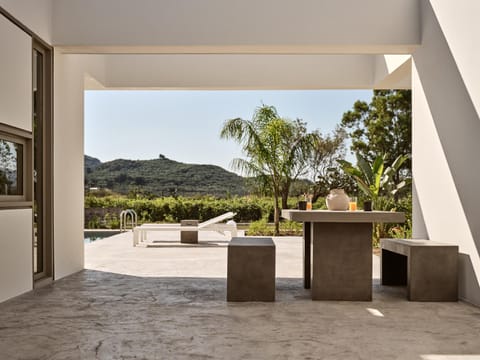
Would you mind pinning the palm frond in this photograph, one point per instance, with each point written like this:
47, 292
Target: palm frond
366, 169
364, 187
377, 171
398, 162
245, 167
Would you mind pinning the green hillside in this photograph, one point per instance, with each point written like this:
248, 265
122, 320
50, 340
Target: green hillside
162, 177
90, 163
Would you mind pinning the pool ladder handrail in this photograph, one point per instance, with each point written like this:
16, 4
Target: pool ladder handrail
124, 219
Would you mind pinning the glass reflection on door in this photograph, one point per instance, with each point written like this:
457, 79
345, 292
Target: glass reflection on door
11, 168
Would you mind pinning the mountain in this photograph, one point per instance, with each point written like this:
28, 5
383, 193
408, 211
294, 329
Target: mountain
162, 177
91, 163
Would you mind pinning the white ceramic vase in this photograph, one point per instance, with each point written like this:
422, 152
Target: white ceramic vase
337, 200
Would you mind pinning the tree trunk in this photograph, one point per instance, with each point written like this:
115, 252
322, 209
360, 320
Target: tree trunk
284, 200
276, 216
315, 196
285, 191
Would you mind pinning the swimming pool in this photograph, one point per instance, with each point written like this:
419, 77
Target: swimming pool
90, 236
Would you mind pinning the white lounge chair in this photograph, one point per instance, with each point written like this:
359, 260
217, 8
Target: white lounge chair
215, 224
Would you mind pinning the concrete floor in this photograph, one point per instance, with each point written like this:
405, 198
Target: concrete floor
169, 303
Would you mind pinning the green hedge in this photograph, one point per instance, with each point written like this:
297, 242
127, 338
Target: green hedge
169, 209
103, 212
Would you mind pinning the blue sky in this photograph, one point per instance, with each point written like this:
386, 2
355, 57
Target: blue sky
185, 125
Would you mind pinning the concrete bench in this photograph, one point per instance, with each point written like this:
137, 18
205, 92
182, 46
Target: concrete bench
251, 269
429, 269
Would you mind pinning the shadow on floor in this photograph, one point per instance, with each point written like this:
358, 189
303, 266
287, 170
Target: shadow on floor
177, 244
185, 289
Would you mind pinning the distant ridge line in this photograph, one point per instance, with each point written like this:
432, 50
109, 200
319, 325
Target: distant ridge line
161, 177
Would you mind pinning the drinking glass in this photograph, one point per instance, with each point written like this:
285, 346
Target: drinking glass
352, 204
309, 202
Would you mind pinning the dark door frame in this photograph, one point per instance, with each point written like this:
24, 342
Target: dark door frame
44, 99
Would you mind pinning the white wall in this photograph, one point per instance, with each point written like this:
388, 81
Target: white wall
16, 267
461, 29
340, 26
70, 73
446, 129
16, 76
35, 14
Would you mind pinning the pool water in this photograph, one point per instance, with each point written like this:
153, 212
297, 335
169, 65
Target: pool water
90, 239
92, 236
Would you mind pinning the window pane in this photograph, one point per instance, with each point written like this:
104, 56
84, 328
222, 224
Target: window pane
11, 168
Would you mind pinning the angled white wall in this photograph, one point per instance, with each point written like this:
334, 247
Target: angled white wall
446, 129
461, 29
392, 72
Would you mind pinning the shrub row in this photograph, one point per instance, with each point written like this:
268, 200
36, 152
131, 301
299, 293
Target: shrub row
169, 209
103, 212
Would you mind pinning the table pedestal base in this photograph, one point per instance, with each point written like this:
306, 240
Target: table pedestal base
307, 258
342, 261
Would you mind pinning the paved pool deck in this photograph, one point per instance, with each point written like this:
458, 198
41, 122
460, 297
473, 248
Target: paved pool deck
169, 303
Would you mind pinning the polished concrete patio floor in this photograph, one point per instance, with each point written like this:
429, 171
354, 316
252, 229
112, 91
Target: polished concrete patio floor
169, 303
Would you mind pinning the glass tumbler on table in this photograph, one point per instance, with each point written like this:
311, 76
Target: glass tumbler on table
309, 202
352, 204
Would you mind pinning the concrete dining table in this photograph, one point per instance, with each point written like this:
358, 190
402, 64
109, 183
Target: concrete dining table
337, 251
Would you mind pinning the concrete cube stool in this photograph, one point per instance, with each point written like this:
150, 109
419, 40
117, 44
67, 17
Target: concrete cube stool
251, 269
189, 237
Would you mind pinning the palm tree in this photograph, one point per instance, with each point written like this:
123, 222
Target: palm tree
275, 150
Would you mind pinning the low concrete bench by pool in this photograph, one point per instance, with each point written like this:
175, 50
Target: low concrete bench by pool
251, 269
428, 268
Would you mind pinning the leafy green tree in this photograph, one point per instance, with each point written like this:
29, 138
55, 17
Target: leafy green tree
258, 186
8, 163
275, 148
324, 170
297, 147
3, 183
382, 127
